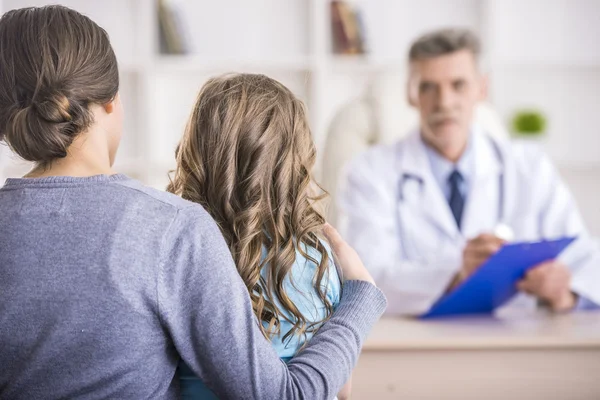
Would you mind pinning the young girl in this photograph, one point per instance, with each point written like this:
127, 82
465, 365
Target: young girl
105, 285
246, 156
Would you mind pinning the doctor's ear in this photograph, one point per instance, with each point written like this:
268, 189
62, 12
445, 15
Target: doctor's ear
412, 86
412, 93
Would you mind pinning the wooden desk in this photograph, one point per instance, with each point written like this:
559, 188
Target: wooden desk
526, 356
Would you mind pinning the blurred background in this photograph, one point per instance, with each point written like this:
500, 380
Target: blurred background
347, 60
541, 56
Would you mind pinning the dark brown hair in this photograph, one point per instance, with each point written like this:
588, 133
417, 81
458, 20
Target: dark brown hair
246, 156
442, 42
54, 63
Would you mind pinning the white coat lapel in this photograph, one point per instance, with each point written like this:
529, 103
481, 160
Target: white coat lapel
483, 200
431, 203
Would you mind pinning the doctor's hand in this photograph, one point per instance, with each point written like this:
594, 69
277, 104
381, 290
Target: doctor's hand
477, 251
346, 258
551, 283
475, 254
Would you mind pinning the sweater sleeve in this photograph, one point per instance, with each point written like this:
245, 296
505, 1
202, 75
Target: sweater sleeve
205, 308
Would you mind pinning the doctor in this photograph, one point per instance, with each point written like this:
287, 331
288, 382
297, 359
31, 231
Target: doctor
425, 213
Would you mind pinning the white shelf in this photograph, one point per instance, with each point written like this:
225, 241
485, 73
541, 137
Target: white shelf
362, 64
332, 63
291, 41
576, 66
198, 63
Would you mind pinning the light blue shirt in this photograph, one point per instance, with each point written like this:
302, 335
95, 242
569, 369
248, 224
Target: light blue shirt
442, 168
298, 285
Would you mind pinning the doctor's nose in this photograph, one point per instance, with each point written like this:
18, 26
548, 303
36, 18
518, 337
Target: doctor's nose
445, 99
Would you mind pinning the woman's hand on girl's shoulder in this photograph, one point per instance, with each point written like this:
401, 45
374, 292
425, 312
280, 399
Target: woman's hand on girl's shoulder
346, 258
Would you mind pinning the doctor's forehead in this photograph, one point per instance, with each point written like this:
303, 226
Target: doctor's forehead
452, 66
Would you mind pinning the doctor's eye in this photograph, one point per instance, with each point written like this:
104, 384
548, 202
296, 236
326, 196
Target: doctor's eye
459, 85
427, 87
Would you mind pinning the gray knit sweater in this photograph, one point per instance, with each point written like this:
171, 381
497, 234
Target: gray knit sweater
105, 284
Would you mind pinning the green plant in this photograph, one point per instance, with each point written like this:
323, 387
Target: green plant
529, 123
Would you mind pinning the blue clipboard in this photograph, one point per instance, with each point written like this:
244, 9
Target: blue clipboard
494, 283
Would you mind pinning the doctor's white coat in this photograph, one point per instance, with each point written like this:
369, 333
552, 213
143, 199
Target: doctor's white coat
393, 212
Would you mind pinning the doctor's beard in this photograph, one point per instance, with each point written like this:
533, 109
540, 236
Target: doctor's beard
447, 129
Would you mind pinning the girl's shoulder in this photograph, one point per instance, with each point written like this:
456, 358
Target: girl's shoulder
303, 274
299, 287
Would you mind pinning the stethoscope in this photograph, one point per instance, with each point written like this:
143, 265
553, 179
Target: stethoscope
501, 229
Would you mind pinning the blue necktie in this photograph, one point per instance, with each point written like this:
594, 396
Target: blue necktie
457, 200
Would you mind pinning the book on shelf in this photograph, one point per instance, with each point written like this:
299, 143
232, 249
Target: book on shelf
172, 30
347, 28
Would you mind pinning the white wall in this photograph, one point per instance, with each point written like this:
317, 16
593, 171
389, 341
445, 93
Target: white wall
541, 53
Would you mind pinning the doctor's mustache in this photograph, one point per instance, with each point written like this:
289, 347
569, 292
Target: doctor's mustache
442, 116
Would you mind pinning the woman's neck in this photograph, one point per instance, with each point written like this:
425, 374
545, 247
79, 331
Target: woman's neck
88, 155
66, 167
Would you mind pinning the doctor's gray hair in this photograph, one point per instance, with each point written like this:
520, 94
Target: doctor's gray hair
444, 41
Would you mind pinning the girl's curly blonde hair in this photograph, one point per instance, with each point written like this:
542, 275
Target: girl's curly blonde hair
246, 156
